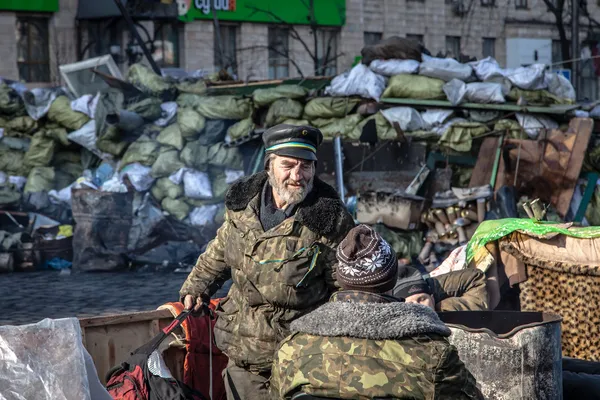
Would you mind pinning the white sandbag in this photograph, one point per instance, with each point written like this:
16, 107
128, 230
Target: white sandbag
408, 118
455, 90
528, 78
559, 86
445, 69
169, 111
581, 114
394, 67
483, 116
114, 185
61, 196
43, 361
487, 69
38, 105
86, 137
595, 113
232, 175
139, 175
196, 185
484, 93
86, 104
359, 81
177, 176
435, 117
533, 125
204, 215
18, 181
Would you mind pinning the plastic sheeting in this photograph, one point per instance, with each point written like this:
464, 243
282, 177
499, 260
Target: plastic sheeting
408, 118
528, 78
359, 81
394, 67
534, 124
86, 137
43, 361
445, 69
86, 104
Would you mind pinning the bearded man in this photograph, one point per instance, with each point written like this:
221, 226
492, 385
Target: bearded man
278, 244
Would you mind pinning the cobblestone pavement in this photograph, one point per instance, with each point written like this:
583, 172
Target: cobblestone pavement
30, 297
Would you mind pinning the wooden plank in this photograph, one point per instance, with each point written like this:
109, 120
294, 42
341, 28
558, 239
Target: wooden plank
482, 172
240, 89
124, 318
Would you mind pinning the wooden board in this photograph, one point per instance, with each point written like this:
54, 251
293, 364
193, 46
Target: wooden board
482, 172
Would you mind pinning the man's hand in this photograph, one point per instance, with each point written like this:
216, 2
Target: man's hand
190, 302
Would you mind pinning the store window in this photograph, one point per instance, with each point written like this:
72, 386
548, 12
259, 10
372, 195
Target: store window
327, 52
372, 38
279, 57
103, 37
453, 46
225, 52
33, 55
489, 47
166, 45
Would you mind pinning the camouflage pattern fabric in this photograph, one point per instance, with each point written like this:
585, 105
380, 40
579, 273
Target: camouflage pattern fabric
277, 275
463, 290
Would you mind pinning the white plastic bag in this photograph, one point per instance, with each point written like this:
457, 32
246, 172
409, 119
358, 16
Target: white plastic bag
484, 93
114, 185
559, 86
533, 125
455, 90
61, 196
196, 185
408, 118
394, 67
86, 137
435, 117
528, 78
487, 69
86, 104
204, 215
139, 176
38, 101
232, 175
359, 81
18, 181
445, 69
169, 111
43, 361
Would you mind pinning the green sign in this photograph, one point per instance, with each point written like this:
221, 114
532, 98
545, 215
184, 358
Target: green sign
29, 5
296, 12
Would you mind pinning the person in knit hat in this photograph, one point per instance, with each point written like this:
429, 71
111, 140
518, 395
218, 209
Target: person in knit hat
413, 288
365, 343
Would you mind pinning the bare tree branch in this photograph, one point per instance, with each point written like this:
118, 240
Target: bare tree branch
281, 53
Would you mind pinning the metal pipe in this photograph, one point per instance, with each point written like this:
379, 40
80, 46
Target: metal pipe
339, 165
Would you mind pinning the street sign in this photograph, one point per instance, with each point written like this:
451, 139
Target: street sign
564, 72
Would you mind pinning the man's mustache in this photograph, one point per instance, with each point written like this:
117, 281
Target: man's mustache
296, 183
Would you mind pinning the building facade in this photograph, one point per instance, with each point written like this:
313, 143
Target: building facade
269, 39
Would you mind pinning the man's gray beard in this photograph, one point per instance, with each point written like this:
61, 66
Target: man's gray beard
290, 197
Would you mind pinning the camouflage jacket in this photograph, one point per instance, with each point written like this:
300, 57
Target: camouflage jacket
351, 348
463, 290
277, 275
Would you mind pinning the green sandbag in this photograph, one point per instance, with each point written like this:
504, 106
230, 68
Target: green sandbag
3, 123
63, 157
171, 136
40, 179
415, 87
40, 151
149, 108
24, 124
344, 127
283, 109
58, 134
150, 83
264, 97
111, 147
178, 208
189, 100
459, 137
11, 104
144, 151
536, 97
219, 184
225, 157
164, 187
422, 135
223, 107
296, 122
384, 129
241, 128
9, 195
405, 244
197, 87
329, 107
190, 122
61, 113
166, 163
11, 161
515, 130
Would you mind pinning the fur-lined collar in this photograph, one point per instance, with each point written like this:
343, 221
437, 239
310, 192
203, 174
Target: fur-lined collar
323, 212
371, 321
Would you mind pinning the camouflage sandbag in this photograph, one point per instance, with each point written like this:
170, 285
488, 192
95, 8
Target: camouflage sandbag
40, 179
283, 109
535, 97
164, 187
11, 104
24, 124
344, 127
329, 107
415, 87
223, 107
459, 137
61, 113
190, 122
405, 244
241, 128
40, 151
513, 128
150, 83
264, 97
166, 163
144, 151
178, 208
148, 108
296, 122
11, 161
171, 136
384, 130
